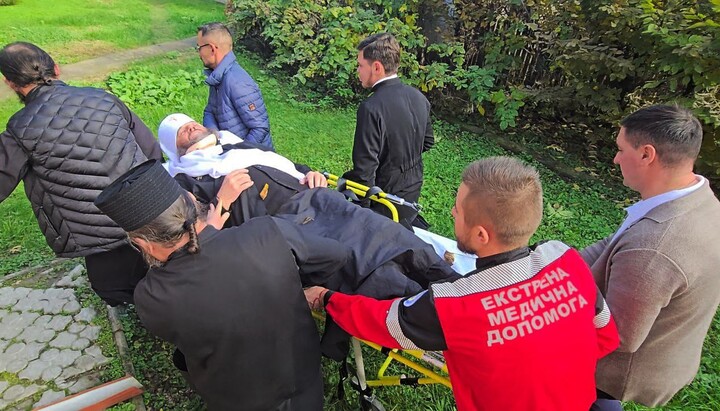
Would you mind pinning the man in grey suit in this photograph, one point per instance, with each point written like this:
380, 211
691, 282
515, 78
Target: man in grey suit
659, 271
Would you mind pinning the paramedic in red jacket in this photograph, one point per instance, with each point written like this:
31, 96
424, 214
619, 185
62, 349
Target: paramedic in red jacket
521, 332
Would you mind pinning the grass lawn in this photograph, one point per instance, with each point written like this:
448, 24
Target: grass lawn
322, 138
74, 30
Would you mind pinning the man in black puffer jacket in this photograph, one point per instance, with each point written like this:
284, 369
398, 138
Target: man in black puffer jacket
67, 144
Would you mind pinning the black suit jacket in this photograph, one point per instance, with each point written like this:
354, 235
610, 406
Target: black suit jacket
393, 130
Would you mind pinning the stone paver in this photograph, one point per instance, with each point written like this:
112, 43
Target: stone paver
63, 340
47, 340
46, 335
48, 397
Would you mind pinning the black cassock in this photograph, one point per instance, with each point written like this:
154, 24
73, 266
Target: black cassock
237, 311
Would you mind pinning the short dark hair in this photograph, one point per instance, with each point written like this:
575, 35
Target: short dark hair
382, 47
673, 130
214, 27
25, 63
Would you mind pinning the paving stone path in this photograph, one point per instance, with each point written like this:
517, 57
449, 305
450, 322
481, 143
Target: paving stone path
47, 343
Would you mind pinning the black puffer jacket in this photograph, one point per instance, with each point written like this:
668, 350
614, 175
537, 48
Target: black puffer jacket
77, 140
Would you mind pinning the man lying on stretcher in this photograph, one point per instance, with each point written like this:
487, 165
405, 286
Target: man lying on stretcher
211, 163
387, 259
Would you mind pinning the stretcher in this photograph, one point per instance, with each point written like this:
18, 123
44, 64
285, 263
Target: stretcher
429, 367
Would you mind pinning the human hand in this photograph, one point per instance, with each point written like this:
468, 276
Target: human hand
314, 179
314, 296
233, 185
216, 217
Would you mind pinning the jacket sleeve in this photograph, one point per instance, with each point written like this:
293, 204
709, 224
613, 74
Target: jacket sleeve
592, 252
407, 323
607, 334
249, 105
318, 258
429, 136
366, 147
641, 283
13, 164
302, 168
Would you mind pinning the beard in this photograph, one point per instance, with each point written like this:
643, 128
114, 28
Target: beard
151, 261
462, 246
194, 139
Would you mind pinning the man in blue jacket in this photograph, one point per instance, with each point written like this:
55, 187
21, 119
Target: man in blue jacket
235, 102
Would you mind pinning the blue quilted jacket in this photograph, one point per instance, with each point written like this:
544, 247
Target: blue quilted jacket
236, 104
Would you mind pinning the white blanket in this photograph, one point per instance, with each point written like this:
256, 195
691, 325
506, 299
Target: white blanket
464, 263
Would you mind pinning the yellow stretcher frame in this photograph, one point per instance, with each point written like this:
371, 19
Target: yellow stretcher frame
409, 358
388, 200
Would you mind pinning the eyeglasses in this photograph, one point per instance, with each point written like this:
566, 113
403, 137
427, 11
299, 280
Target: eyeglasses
198, 47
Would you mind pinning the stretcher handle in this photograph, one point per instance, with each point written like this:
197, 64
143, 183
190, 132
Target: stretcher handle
364, 189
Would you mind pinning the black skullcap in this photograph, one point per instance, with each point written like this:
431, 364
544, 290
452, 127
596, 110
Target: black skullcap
139, 196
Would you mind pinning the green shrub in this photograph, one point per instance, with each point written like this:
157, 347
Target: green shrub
316, 40
8, 2
143, 88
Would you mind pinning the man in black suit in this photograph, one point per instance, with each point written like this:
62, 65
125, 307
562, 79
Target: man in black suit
393, 125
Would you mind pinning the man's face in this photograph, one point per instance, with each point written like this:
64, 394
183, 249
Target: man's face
206, 50
462, 230
365, 71
188, 135
629, 159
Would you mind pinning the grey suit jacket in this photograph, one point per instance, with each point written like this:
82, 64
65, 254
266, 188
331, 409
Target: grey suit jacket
661, 280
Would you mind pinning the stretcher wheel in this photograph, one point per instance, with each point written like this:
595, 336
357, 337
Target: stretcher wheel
370, 403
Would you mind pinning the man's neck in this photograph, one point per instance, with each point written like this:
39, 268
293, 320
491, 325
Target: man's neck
667, 181
388, 77
494, 249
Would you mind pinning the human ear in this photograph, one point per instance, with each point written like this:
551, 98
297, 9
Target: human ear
377, 67
144, 245
481, 235
648, 153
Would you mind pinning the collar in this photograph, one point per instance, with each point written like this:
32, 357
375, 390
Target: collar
496, 259
639, 210
40, 89
383, 80
214, 77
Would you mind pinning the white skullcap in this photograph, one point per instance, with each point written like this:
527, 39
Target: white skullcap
167, 134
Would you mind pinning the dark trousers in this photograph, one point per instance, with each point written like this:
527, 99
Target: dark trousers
605, 402
114, 274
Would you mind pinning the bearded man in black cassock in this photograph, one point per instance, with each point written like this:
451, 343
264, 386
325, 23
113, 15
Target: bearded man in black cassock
393, 126
231, 300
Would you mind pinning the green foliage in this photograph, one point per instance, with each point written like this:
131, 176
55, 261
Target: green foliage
142, 88
8, 2
583, 61
126, 406
316, 40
